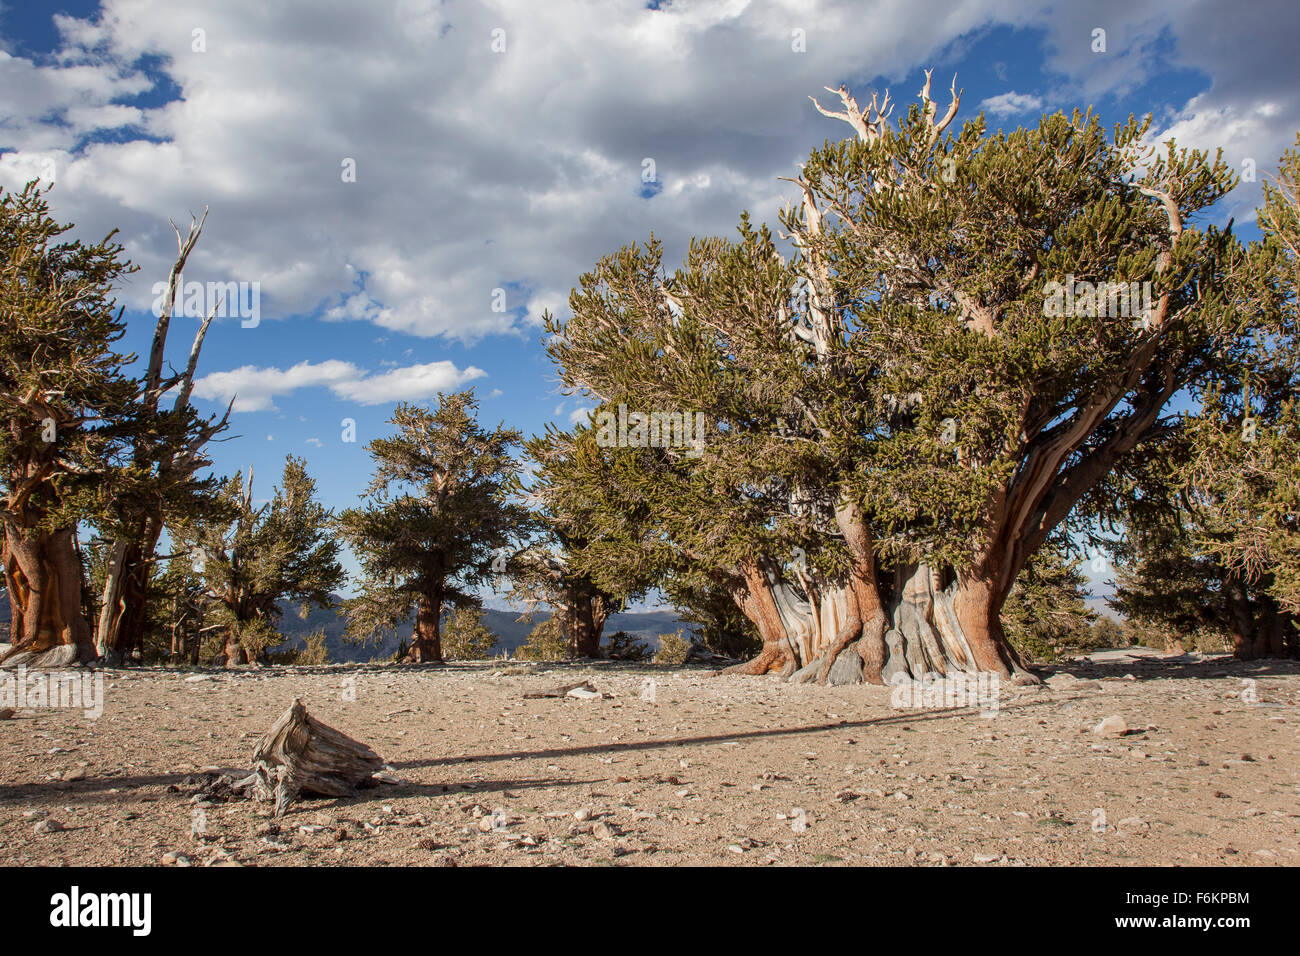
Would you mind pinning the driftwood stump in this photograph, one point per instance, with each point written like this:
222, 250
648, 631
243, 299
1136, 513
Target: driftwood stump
299, 755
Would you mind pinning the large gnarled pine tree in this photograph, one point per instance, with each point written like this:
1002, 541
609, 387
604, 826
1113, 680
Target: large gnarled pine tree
910, 406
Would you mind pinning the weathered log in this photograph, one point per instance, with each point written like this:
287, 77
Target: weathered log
299, 755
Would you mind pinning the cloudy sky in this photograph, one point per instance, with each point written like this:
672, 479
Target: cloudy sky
404, 186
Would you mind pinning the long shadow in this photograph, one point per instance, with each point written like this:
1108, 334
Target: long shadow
89, 785
1155, 668
908, 717
95, 790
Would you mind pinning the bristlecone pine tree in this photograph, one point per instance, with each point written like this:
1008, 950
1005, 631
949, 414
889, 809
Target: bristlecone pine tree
923, 394
1244, 476
160, 483
544, 572
65, 413
1219, 549
435, 513
283, 550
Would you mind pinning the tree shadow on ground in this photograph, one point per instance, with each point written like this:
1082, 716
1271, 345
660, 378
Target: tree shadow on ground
1144, 667
905, 718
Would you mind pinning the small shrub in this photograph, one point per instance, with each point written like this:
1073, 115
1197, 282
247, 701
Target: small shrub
546, 642
624, 647
673, 649
464, 637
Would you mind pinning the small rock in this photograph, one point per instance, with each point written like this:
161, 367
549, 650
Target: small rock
987, 857
1112, 726
50, 825
582, 815
175, 858
1133, 825
602, 831
6, 713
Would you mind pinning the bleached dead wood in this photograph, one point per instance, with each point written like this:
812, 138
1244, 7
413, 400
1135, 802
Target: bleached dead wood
300, 755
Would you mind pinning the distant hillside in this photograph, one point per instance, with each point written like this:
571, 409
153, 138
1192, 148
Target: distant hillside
510, 632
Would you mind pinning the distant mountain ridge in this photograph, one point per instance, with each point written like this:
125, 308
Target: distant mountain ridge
511, 633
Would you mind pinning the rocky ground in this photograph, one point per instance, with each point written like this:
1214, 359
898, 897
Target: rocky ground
1203, 767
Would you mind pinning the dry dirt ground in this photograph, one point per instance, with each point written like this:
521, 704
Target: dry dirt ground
715, 771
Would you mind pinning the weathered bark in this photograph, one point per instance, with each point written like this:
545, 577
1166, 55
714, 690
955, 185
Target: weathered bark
757, 601
582, 618
927, 628
124, 608
1258, 626
43, 575
426, 635
1240, 623
300, 755
234, 652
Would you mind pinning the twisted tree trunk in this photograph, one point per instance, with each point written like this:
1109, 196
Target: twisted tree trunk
922, 624
583, 621
426, 636
123, 615
926, 628
43, 575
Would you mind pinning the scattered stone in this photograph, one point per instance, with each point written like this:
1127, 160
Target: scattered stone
987, 857
1133, 825
1113, 726
49, 825
582, 815
175, 858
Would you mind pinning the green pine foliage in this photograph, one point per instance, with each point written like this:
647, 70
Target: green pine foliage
464, 636
433, 519
284, 549
1045, 614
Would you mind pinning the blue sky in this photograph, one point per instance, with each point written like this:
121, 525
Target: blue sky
499, 150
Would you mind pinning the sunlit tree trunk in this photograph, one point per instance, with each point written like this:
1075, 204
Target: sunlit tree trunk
43, 575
